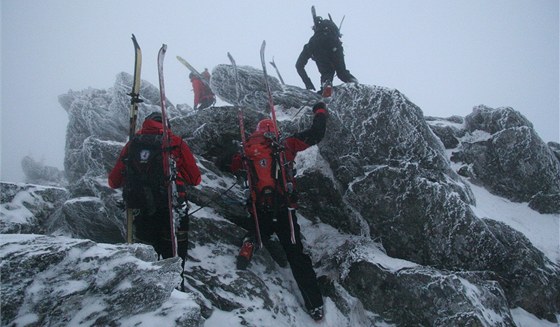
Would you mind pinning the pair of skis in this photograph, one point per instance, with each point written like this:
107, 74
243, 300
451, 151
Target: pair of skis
168, 163
277, 139
134, 101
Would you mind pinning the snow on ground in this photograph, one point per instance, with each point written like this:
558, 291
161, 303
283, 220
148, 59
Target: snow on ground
543, 230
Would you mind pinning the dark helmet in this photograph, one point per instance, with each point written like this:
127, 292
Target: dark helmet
266, 125
156, 116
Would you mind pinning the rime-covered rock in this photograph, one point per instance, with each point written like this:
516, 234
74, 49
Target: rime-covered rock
555, 148
252, 90
426, 296
377, 191
102, 115
491, 120
27, 208
512, 161
448, 130
57, 281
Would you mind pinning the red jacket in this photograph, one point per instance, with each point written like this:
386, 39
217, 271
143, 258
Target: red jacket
187, 169
201, 91
297, 142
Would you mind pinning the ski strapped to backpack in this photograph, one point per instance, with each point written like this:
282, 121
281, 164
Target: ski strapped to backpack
326, 26
204, 79
193, 70
281, 157
169, 169
245, 163
134, 101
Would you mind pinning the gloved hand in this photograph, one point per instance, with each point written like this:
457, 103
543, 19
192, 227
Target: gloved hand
182, 207
320, 108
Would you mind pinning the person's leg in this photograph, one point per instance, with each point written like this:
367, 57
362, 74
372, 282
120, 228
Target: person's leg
340, 66
300, 263
327, 70
249, 241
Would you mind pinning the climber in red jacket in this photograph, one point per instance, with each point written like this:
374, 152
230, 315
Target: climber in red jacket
203, 95
274, 204
152, 219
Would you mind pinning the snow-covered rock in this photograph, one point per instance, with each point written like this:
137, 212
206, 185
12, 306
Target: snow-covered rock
58, 281
513, 161
388, 222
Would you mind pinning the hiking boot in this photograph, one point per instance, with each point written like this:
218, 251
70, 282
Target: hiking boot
245, 255
326, 89
317, 313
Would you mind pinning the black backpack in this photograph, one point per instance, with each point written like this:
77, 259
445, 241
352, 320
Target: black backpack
327, 27
145, 186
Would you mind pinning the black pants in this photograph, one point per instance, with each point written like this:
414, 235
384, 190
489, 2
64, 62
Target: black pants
334, 63
300, 263
154, 230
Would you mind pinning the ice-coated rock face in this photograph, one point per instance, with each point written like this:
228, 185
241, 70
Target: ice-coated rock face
513, 162
379, 188
98, 116
50, 281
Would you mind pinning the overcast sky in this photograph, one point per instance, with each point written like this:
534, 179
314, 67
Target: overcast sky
445, 56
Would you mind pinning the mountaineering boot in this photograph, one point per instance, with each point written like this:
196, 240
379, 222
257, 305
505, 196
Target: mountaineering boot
245, 255
327, 89
316, 313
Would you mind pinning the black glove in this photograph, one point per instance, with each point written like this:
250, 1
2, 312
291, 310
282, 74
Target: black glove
320, 107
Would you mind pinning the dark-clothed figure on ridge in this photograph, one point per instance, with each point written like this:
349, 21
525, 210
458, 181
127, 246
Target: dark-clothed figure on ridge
325, 48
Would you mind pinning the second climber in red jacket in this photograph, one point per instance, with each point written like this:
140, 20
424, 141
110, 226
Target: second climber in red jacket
139, 170
272, 203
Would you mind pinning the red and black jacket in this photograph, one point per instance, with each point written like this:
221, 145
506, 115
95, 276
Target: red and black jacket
187, 169
295, 143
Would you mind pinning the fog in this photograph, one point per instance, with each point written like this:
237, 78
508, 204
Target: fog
445, 56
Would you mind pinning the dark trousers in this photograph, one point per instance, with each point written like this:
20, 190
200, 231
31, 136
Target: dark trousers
300, 263
153, 229
335, 63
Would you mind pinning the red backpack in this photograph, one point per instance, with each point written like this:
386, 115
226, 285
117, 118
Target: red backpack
264, 170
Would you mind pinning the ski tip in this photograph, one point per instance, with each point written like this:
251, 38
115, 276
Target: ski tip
135, 42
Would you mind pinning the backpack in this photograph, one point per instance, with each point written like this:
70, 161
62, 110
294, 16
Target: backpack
263, 169
327, 27
145, 186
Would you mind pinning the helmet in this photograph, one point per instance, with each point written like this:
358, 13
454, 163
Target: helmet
155, 116
266, 125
